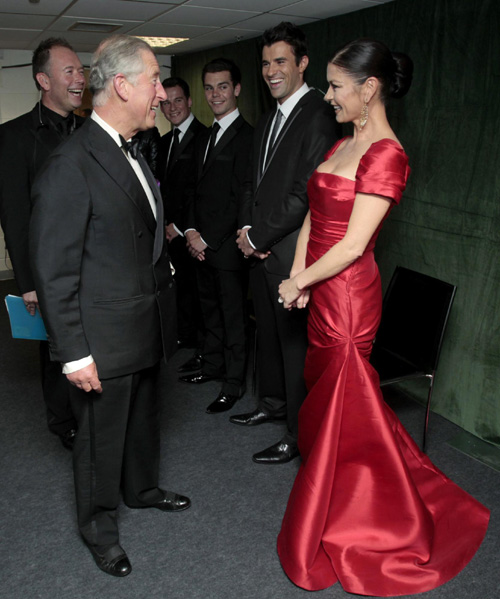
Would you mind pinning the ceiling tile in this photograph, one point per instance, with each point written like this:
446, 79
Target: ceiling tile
264, 21
321, 8
171, 30
252, 5
48, 7
11, 21
117, 9
63, 25
192, 15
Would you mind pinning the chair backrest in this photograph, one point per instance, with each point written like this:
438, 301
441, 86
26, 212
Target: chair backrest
414, 317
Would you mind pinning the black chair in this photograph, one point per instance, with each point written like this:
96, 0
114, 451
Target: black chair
414, 316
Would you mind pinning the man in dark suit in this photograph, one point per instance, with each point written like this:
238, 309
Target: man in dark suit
175, 171
25, 144
222, 155
107, 294
289, 143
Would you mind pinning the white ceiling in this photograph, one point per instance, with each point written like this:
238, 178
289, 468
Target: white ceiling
208, 23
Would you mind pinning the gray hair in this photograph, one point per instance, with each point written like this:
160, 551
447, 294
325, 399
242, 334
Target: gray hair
116, 54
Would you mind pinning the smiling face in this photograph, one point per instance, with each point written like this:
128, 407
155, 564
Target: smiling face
281, 72
144, 95
64, 81
344, 94
176, 108
221, 93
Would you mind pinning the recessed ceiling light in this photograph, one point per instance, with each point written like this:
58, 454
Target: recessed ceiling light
162, 42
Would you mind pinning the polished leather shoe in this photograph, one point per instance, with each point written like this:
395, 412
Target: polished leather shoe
112, 560
279, 453
194, 363
254, 418
197, 378
68, 439
172, 502
224, 402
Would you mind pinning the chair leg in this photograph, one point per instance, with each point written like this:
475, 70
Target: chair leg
427, 411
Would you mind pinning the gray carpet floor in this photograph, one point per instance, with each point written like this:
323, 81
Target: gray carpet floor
221, 548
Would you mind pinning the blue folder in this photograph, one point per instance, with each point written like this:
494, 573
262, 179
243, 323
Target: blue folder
22, 324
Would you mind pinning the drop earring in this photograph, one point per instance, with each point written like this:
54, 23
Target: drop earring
364, 116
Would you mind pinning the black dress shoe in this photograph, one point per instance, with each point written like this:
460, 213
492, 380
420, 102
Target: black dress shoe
194, 363
279, 453
254, 418
68, 439
224, 402
172, 502
112, 560
197, 378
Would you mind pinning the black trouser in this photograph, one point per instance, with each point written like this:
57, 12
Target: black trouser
117, 446
223, 305
281, 350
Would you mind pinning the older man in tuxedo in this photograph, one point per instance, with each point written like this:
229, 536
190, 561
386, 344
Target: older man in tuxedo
176, 167
25, 144
107, 294
289, 142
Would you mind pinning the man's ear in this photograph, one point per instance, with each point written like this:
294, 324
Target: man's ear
237, 90
304, 61
43, 81
121, 86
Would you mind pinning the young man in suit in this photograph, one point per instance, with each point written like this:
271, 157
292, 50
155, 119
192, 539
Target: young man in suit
222, 155
175, 172
289, 143
25, 144
107, 294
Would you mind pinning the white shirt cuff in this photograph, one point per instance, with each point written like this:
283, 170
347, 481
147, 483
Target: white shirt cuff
178, 231
248, 237
70, 367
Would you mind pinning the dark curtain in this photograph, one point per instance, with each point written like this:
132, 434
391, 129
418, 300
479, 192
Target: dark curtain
448, 224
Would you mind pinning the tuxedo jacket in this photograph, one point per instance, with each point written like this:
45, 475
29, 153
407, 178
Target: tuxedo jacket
99, 257
274, 199
212, 207
175, 179
25, 144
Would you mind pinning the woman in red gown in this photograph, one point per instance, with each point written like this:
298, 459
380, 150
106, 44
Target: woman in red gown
367, 508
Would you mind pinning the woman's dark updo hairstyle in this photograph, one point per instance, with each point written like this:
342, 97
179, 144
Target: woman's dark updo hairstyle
365, 58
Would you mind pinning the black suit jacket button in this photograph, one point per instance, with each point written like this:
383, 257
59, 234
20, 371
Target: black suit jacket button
170, 285
158, 293
139, 234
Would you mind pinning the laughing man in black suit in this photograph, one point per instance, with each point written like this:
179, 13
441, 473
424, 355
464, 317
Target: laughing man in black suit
25, 144
289, 143
222, 156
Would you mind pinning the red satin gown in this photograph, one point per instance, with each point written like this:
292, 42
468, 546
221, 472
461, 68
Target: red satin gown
367, 508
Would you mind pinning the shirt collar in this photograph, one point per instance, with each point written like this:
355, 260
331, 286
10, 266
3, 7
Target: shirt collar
184, 126
289, 104
108, 128
226, 121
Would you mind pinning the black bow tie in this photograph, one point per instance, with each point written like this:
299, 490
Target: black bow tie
132, 146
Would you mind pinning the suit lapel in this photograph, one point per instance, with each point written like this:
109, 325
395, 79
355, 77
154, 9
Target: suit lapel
226, 138
115, 163
262, 148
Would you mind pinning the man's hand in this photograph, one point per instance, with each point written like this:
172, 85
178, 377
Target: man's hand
30, 300
195, 245
246, 248
170, 232
86, 379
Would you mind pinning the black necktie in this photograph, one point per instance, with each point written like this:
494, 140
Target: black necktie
173, 147
274, 133
213, 137
132, 146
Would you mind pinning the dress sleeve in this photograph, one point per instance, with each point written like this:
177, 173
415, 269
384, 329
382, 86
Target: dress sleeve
383, 170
